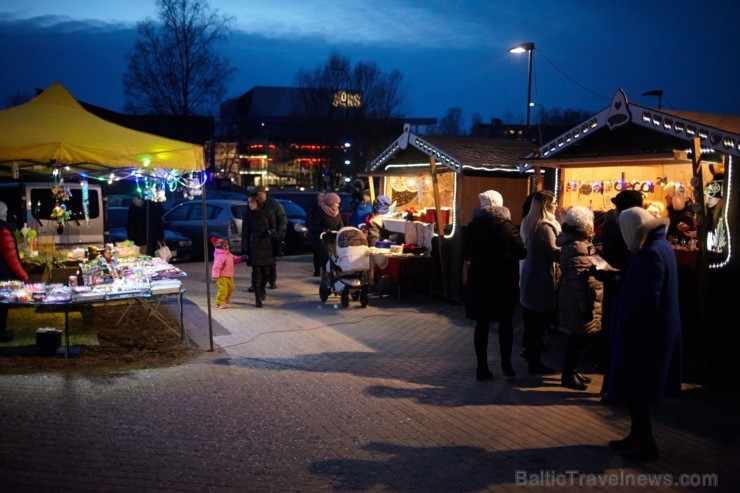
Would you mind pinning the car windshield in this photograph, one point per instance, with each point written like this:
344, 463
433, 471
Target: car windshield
292, 210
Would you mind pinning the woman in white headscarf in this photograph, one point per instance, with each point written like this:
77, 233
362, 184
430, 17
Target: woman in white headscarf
646, 352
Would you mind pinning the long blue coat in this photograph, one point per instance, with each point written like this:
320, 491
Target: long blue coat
646, 353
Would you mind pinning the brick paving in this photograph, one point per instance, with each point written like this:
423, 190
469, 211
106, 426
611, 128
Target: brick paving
311, 397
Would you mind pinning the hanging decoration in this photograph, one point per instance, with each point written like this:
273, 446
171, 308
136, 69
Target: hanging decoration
85, 201
61, 194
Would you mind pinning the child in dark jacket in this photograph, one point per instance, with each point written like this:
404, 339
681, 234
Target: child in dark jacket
222, 272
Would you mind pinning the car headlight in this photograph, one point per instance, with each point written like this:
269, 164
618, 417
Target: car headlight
300, 228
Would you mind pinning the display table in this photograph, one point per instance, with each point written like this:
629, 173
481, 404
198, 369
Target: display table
401, 269
148, 300
134, 280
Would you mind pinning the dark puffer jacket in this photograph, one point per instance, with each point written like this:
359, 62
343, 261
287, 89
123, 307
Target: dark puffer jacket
581, 293
494, 247
257, 233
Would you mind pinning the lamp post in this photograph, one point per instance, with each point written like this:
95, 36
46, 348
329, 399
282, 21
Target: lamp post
656, 92
521, 48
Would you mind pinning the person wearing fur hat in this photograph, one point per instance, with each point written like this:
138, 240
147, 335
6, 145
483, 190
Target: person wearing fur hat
222, 272
646, 353
539, 277
258, 233
10, 267
678, 204
326, 218
581, 293
492, 248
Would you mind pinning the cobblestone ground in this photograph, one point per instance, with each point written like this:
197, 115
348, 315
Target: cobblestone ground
311, 397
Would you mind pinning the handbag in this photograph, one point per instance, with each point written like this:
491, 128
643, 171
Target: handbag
163, 251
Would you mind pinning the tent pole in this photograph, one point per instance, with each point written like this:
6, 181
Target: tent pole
205, 266
440, 226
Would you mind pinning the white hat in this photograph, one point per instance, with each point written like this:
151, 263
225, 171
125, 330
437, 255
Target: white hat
491, 197
580, 217
635, 224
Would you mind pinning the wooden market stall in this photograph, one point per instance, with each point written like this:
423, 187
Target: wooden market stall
631, 147
439, 178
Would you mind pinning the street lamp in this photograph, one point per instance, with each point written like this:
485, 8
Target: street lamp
656, 92
521, 48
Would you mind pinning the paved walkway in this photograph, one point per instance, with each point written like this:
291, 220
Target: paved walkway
310, 397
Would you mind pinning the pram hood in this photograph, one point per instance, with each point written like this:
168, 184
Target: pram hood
352, 253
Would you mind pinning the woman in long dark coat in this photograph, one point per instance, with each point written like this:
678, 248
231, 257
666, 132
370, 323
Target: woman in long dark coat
258, 232
646, 353
492, 249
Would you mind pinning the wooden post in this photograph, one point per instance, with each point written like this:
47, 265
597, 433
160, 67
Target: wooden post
440, 227
371, 187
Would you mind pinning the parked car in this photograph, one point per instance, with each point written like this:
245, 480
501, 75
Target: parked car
223, 219
306, 199
181, 246
296, 236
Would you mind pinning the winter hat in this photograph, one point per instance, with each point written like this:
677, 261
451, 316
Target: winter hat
580, 217
635, 224
491, 197
381, 204
218, 242
3, 211
628, 198
331, 204
678, 194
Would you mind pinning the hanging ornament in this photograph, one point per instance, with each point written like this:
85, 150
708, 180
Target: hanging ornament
60, 214
85, 201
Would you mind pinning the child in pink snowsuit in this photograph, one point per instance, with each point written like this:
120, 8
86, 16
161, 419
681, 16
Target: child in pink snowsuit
223, 271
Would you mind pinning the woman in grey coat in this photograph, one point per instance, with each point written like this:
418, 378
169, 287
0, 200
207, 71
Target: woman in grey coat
581, 294
540, 276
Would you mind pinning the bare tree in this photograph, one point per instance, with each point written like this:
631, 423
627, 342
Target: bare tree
353, 103
451, 124
175, 68
368, 91
18, 98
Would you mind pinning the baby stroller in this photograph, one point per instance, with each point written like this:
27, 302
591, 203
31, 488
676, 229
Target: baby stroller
346, 272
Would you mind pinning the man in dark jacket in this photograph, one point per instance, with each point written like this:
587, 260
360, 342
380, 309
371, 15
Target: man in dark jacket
10, 267
275, 210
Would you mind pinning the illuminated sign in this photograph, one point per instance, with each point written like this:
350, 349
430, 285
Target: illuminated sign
344, 99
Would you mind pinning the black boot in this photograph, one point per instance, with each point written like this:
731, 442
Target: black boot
480, 342
583, 378
258, 299
570, 381
506, 343
630, 441
645, 450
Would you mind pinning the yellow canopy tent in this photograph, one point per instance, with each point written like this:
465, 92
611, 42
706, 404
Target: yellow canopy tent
53, 128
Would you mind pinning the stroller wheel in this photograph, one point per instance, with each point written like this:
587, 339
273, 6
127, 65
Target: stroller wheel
355, 295
345, 298
323, 292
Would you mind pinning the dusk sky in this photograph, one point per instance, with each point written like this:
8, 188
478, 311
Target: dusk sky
451, 53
